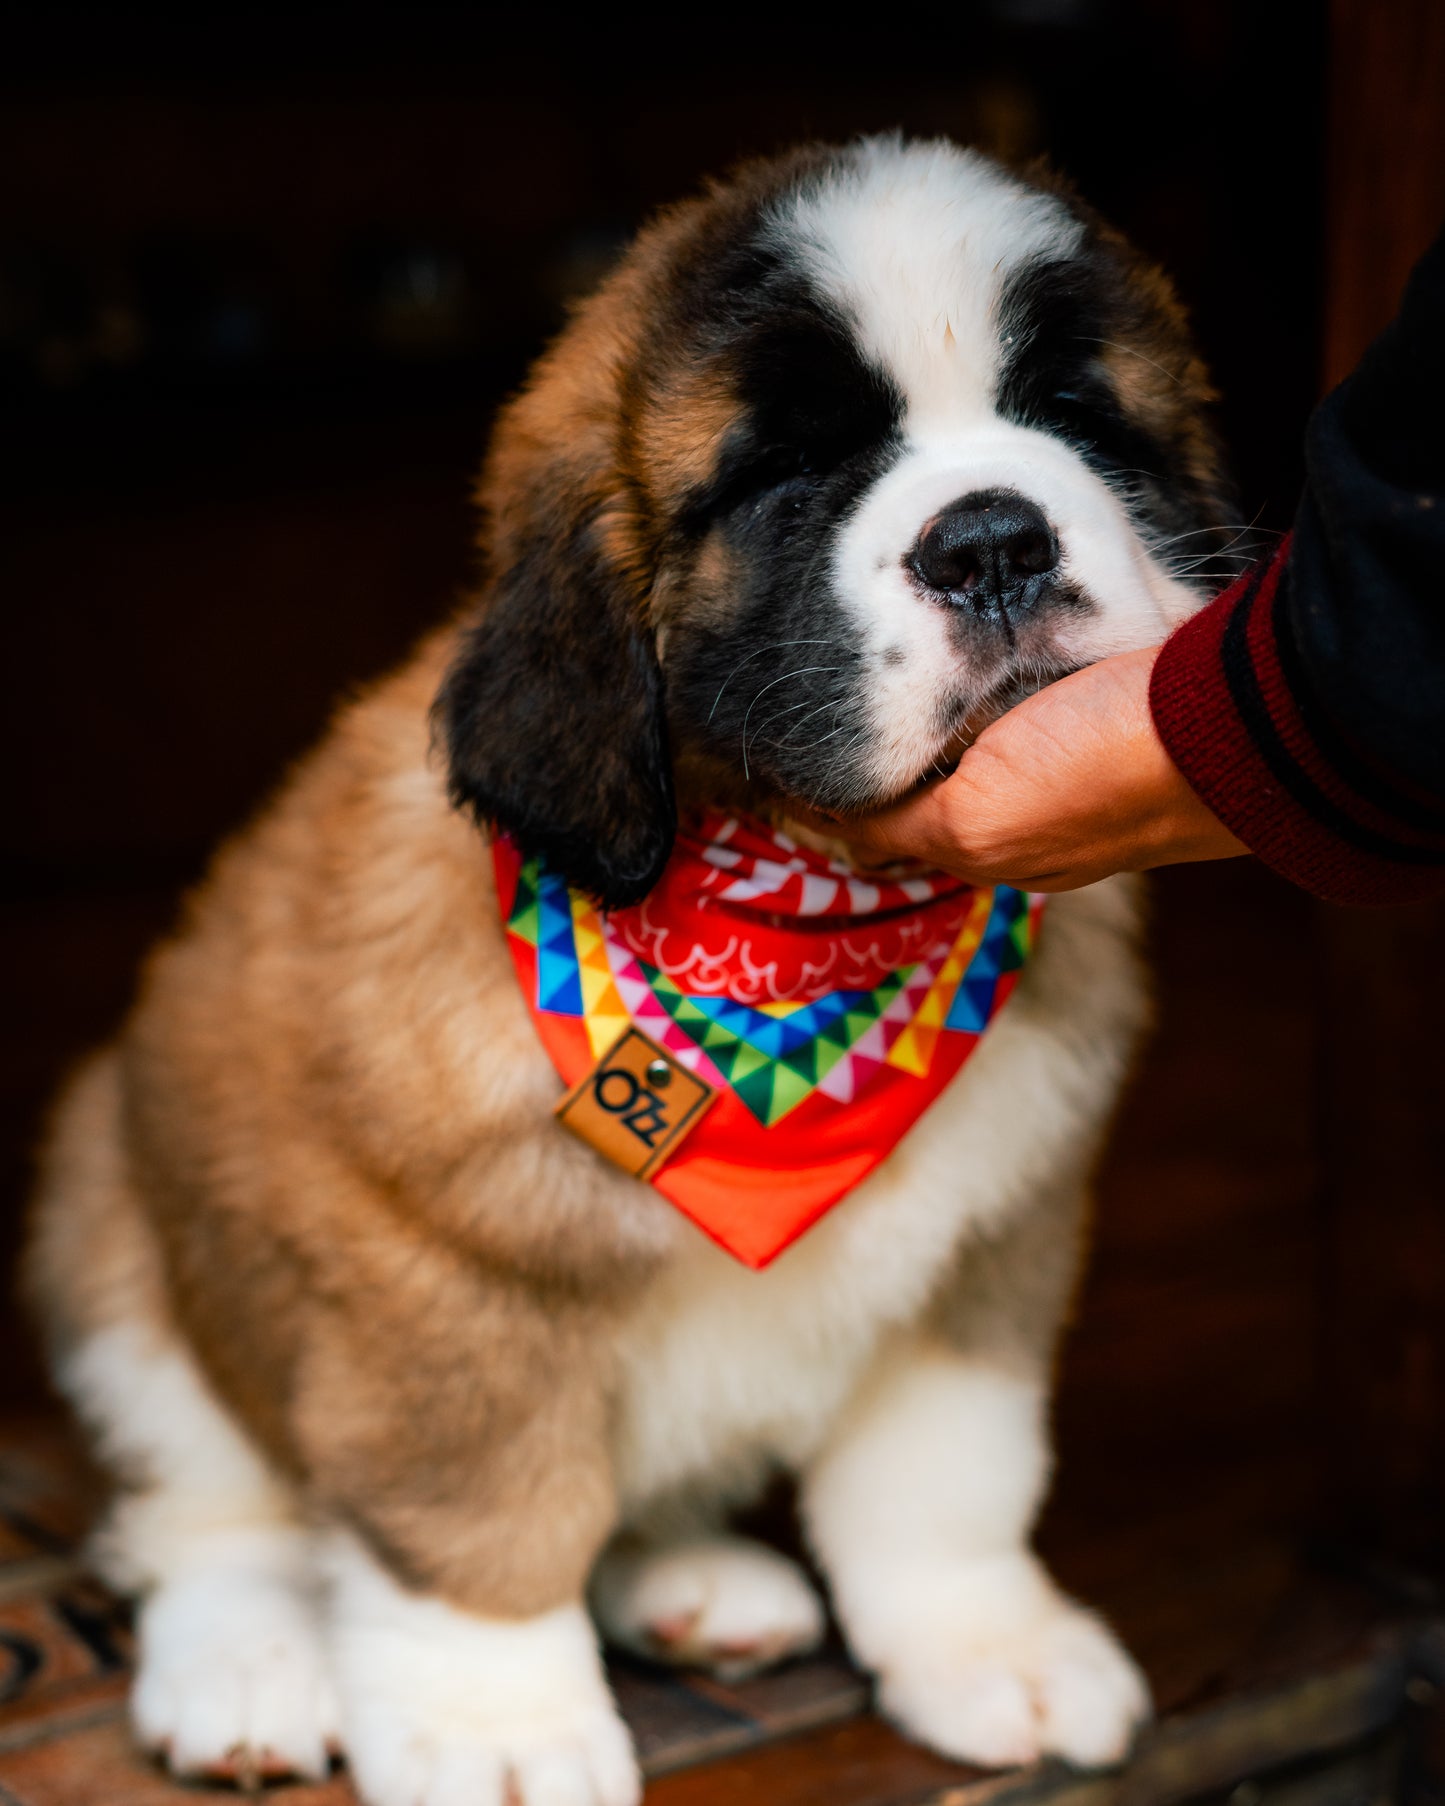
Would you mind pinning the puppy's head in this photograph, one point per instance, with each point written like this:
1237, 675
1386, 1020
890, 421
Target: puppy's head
845, 457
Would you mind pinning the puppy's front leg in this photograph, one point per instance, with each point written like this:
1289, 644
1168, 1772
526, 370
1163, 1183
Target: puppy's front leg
920, 1510
468, 1483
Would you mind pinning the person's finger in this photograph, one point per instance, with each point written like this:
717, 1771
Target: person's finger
942, 826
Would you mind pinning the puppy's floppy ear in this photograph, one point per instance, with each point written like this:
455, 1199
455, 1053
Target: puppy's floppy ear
552, 713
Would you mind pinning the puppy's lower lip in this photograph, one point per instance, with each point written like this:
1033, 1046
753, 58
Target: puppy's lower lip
981, 714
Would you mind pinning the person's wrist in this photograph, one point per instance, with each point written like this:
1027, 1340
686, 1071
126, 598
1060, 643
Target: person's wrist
1189, 829
1176, 825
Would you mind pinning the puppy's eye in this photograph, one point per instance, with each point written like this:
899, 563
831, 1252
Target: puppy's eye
1080, 404
1092, 422
791, 495
781, 477
781, 472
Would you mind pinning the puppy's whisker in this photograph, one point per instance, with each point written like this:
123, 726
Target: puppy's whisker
838, 730
757, 652
1235, 527
832, 702
803, 671
1086, 339
1182, 566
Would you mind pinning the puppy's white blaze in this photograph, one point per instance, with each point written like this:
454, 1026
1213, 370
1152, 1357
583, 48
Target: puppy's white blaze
914, 243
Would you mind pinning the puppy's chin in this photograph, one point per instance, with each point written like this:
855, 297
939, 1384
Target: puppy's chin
705, 781
997, 703
970, 717
826, 829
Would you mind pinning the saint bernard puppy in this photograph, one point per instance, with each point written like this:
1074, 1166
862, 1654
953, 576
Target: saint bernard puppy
408, 1394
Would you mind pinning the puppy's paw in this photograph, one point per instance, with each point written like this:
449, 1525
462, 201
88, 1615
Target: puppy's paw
233, 1681
441, 1707
722, 1603
1001, 1686
402, 1756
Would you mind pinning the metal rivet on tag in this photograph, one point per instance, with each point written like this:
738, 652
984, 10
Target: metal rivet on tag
659, 1073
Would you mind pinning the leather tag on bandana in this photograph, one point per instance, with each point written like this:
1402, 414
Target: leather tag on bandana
637, 1105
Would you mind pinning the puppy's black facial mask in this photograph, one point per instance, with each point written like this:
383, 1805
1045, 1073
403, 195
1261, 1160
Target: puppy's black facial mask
555, 715
768, 677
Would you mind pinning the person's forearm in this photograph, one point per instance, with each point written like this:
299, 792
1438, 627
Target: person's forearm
1363, 603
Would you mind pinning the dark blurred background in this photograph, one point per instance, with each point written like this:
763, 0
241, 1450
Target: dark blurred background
263, 280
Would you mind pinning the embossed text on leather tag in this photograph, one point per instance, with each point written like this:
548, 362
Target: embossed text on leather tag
636, 1105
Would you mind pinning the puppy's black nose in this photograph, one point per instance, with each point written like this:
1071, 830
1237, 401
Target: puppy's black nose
986, 553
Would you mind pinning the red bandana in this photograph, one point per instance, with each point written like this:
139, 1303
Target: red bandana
759, 1032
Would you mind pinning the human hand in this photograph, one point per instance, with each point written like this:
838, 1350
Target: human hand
1070, 785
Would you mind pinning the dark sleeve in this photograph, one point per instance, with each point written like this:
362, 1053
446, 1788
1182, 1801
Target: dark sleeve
1306, 705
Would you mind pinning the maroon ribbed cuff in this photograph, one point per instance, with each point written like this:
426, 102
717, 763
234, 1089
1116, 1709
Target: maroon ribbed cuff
1242, 738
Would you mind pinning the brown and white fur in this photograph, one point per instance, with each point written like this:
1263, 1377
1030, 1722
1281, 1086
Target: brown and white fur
395, 1376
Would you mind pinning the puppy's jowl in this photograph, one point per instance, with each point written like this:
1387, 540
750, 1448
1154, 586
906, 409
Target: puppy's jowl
396, 1374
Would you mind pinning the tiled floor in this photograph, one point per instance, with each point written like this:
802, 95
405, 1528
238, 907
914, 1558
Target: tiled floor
1254, 1665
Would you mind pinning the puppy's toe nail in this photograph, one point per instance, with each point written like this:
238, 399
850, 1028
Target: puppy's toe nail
674, 1630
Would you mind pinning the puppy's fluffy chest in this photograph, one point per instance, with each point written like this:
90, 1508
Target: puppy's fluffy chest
726, 1373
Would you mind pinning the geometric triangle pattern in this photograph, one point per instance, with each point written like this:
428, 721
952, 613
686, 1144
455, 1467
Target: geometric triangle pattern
775, 1057
1003, 948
